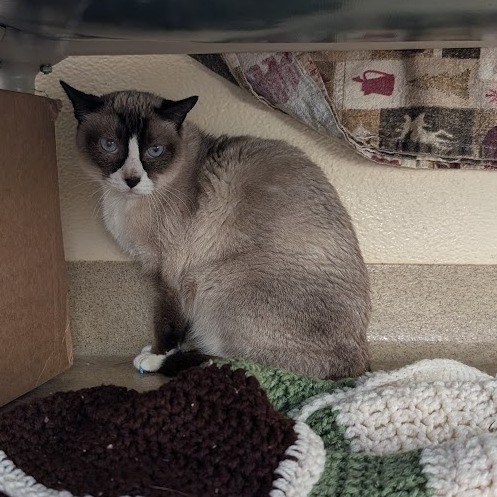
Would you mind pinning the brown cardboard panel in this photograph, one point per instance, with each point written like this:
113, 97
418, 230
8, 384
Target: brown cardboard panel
35, 343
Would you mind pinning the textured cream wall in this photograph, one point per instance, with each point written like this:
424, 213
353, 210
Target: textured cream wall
401, 216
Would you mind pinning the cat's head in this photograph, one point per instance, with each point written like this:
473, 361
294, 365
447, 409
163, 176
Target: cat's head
131, 138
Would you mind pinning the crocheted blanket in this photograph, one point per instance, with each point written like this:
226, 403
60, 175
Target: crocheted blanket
433, 108
238, 429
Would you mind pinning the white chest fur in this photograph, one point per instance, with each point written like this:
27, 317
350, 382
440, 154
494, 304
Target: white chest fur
119, 220
136, 224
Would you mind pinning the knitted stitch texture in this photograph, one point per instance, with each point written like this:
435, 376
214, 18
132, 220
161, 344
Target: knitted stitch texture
425, 430
209, 432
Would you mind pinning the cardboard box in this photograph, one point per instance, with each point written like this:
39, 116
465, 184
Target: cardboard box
35, 342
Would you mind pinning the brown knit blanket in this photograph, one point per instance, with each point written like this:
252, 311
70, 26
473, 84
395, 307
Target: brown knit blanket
210, 431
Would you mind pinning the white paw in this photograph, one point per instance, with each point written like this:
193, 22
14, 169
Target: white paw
147, 362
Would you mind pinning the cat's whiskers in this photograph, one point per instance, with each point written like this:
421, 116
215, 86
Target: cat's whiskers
92, 194
78, 186
155, 201
168, 201
167, 188
162, 199
100, 202
159, 201
183, 194
149, 214
100, 190
87, 176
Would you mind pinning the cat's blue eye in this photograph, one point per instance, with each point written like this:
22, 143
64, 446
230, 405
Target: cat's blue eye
108, 145
155, 151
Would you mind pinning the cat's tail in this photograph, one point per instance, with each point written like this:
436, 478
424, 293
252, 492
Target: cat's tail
171, 363
182, 360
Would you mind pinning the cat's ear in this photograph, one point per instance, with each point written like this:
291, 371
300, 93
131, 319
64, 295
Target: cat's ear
176, 111
83, 103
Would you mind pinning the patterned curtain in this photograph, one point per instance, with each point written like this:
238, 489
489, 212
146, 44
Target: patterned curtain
433, 108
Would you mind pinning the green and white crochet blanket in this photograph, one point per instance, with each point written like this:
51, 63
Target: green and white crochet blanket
239, 429
423, 430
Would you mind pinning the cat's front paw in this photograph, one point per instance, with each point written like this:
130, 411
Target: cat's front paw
146, 362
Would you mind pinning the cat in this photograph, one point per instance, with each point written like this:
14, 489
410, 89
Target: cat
253, 253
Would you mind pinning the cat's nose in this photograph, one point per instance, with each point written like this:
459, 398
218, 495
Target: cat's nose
132, 182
